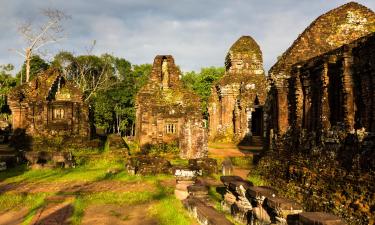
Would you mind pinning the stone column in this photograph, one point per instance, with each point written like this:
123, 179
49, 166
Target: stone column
325, 101
299, 98
347, 82
282, 107
306, 103
229, 95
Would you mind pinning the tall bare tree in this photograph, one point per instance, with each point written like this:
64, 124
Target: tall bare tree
39, 35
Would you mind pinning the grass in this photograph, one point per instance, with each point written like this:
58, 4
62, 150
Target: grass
245, 162
32, 202
257, 180
170, 210
16, 201
90, 171
96, 166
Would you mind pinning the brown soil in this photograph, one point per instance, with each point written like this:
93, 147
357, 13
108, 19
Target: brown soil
75, 186
118, 215
222, 150
13, 217
57, 211
241, 172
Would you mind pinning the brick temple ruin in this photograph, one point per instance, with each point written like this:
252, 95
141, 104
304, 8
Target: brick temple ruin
330, 31
320, 116
236, 103
48, 106
168, 113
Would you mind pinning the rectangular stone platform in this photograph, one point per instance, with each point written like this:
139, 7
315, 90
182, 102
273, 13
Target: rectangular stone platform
319, 218
259, 191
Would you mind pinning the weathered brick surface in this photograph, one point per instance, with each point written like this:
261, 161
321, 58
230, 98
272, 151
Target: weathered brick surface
168, 113
329, 31
320, 116
49, 106
239, 94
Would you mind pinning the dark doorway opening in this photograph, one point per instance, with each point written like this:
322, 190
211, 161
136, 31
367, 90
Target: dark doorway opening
257, 122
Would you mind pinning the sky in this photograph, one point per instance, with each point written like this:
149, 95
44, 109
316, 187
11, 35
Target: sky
198, 33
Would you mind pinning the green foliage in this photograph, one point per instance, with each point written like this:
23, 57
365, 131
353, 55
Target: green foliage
257, 179
37, 65
242, 162
109, 84
202, 82
163, 149
7, 82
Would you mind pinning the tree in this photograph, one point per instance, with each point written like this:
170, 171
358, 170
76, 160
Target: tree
36, 65
37, 36
202, 82
7, 82
115, 107
90, 73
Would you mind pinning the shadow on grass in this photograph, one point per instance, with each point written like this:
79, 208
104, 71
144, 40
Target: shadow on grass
13, 172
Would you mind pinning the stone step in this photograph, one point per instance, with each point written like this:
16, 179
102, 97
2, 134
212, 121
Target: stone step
319, 218
205, 214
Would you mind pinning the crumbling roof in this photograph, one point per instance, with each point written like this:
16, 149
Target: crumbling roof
329, 31
245, 44
43, 87
175, 97
249, 50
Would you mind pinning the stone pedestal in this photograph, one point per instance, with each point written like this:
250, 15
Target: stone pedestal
319, 218
184, 178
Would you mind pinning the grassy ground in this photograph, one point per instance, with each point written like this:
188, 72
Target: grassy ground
98, 166
166, 208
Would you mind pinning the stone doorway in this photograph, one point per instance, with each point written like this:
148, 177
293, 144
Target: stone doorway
257, 122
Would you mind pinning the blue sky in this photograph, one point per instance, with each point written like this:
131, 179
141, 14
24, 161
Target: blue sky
198, 33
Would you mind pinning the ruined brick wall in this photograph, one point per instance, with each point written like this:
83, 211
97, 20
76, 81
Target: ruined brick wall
326, 159
233, 97
168, 113
329, 31
49, 106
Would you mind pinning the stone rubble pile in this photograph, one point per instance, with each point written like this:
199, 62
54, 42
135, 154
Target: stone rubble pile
250, 204
194, 196
42, 159
148, 165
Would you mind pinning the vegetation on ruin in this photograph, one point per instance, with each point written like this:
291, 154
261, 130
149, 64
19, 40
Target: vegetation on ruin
201, 83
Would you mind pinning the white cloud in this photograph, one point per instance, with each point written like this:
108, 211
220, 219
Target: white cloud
197, 33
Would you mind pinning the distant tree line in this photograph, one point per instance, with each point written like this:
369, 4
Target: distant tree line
109, 84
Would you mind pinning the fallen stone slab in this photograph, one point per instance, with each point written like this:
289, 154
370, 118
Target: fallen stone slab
235, 185
280, 208
261, 191
282, 203
205, 214
319, 218
227, 179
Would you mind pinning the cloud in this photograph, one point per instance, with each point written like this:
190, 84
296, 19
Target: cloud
197, 33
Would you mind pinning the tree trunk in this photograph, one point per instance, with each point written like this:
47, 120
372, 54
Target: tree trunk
28, 59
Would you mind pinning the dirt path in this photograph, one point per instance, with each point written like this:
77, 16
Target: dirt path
222, 150
118, 215
76, 186
57, 211
13, 217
